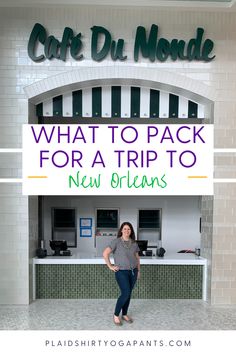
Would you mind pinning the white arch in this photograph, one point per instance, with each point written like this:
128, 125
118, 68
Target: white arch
120, 75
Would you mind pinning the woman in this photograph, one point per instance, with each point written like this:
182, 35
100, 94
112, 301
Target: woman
126, 268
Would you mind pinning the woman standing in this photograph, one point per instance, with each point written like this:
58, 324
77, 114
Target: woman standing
126, 268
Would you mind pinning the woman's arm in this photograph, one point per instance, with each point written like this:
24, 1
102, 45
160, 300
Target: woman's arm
106, 256
138, 263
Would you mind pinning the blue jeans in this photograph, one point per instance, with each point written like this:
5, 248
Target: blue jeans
126, 280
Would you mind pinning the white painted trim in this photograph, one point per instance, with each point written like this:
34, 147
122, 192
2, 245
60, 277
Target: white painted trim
183, 107
122, 75
67, 105
11, 180
144, 102
190, 5
224, 180
224, 150
87, 102
164, 105
48, 108
10, 150
125, 101
201, 111
106, 101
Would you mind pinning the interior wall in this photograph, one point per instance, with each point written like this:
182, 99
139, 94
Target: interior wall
14, 251
180, 217
223, 281
206, 237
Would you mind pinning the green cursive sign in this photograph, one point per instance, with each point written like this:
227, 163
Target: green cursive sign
102, 44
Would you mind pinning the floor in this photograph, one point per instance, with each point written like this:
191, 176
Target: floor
97, 315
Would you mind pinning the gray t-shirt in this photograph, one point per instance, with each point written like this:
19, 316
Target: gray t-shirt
124, 257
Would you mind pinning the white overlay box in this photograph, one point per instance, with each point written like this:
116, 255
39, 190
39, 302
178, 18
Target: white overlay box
106, 159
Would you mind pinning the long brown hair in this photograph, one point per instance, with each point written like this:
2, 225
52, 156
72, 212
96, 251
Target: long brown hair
132, 235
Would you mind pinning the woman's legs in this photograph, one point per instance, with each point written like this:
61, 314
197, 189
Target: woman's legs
132, 281
126, 280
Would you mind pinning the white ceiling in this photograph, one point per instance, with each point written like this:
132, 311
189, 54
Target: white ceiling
211, 4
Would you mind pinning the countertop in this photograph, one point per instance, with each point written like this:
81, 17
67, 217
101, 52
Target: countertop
86, 258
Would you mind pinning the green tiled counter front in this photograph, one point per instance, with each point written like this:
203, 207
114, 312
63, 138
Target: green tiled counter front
96, 281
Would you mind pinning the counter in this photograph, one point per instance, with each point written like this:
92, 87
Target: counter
85, 258
86, 276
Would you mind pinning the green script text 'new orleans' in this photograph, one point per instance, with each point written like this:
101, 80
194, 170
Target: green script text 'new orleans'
117, 181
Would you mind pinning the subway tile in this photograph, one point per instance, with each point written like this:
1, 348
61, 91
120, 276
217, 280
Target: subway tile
221, 300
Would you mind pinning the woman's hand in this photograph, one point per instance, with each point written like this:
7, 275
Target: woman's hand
138, 265
114, 268
106, 254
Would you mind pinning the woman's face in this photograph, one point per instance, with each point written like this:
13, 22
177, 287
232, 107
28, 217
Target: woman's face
126, 231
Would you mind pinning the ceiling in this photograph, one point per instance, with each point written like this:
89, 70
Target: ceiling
211, 4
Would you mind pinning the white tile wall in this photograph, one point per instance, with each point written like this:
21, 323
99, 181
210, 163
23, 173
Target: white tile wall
18, 71
14, 241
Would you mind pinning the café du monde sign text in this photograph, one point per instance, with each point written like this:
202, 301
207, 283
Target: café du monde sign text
147, 44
